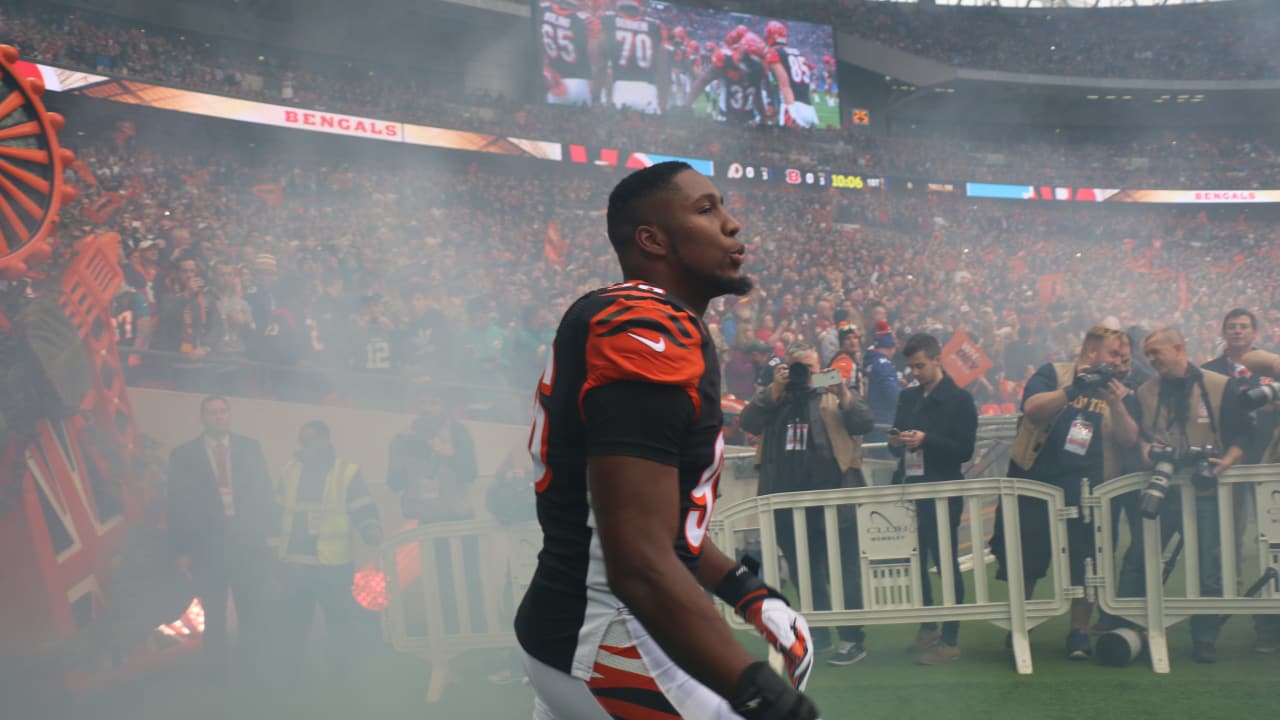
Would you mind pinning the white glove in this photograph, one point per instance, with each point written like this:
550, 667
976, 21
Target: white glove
787, 631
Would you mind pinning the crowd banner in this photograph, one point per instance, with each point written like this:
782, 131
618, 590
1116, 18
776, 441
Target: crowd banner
1249, 568
889, 560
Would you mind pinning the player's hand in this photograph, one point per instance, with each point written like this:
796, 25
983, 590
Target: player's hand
786, 630
762, 695
912, 439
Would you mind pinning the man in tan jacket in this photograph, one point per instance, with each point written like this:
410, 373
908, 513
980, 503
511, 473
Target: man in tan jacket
811, 439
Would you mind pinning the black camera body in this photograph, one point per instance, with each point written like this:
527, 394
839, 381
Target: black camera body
1095, 377
798, 379
1202, 477
1167, 460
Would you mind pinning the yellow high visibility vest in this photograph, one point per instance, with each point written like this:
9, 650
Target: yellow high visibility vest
327, 520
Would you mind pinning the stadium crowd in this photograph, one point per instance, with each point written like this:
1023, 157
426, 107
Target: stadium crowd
1207, 42
1169, 159
399, 272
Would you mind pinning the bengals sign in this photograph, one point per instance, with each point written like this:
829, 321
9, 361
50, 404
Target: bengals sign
963, 360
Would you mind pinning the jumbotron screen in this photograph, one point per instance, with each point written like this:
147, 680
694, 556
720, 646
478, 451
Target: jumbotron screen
663, 58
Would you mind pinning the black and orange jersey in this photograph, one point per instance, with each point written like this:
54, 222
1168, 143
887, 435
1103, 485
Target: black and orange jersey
565, 35
632, 372
634, 44
743, 78
796, 67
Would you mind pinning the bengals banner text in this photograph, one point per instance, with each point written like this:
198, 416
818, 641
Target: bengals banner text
963, 360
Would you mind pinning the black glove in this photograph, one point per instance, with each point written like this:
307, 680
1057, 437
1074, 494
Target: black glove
762, 694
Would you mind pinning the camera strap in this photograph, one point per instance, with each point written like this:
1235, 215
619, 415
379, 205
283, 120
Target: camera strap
1165, 402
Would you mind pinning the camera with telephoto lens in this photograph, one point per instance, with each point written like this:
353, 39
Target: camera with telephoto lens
1259, 396
1094, 377
1167, 459
1164, 458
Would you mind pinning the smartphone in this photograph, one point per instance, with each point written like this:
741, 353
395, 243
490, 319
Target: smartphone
893, 431
826, 378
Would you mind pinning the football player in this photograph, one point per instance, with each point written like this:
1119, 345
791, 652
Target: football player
568, 45
793, 75
635, 51
628, 445
831, 90
741, 72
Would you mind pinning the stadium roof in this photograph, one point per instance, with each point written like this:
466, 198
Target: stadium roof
1043, 4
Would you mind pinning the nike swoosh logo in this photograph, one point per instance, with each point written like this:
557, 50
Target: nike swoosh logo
659, 346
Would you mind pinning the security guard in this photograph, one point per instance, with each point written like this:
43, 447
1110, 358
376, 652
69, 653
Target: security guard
324, 498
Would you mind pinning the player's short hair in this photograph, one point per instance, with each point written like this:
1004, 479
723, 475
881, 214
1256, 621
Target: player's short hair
922, 342
629, 200
1239, 313
1099, 334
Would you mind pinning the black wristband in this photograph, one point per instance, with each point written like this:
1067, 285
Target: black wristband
761, 694
740, 586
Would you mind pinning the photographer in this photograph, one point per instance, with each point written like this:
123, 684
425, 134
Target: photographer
1192, 423
1068, 409
1239, 334
810, 440
934, 432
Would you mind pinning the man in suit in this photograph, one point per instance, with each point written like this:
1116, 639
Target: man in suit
220, 513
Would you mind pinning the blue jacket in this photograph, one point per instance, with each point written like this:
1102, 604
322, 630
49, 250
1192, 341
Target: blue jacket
882, 385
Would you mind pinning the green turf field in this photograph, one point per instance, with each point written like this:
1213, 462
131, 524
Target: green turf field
886, 685
826, 115
982, 685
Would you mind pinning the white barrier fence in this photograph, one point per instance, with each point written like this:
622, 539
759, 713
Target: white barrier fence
888, 560
453, 587
1158, 609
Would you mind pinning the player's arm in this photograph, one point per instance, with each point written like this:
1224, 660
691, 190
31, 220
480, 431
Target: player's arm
635, 496
637, 509
784, 83
713, 566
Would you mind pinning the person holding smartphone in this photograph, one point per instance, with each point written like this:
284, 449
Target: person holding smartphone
934, 432
811, 426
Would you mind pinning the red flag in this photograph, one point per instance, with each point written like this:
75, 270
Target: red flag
270, 193
82, 171
1050, 285
555, 247
100, 210
963, 360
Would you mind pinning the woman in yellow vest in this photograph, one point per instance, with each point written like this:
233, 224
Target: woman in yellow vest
324, 499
